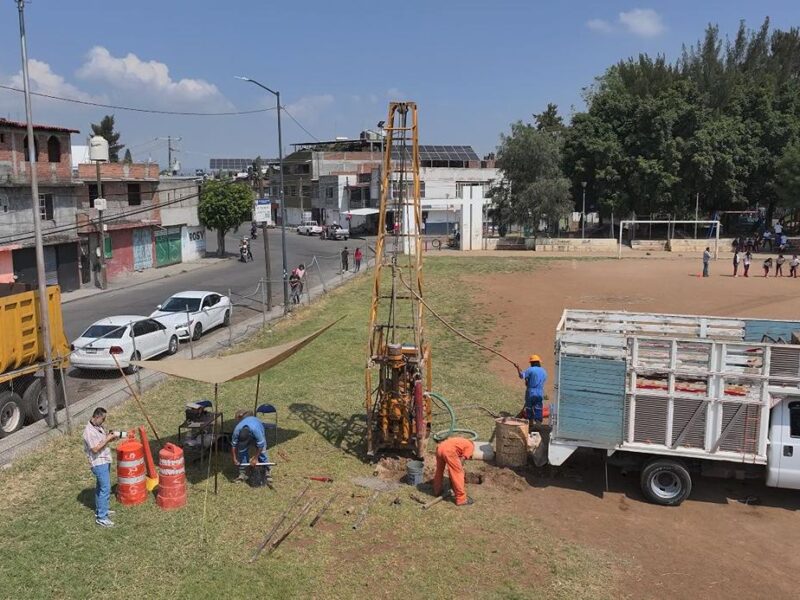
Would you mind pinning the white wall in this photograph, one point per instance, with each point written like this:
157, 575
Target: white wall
193, 243
182, 195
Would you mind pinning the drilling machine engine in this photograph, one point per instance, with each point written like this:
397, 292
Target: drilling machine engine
398, 407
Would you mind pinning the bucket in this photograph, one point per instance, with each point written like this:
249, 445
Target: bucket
414, 472
511, 437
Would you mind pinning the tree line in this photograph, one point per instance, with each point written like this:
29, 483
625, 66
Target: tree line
721, 122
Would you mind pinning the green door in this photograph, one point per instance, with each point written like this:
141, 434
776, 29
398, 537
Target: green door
168, 246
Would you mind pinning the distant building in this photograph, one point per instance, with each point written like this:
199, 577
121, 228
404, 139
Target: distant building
58, 196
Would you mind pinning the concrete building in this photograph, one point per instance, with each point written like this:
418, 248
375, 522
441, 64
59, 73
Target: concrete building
57, 204
178, 199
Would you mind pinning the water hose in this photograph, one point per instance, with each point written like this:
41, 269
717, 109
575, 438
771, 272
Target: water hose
446, 433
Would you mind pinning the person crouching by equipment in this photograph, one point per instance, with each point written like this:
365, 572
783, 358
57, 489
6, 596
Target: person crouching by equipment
535, 377
248, 431
452, 453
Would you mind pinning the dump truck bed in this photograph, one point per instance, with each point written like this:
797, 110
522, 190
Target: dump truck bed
685, 385
21, 347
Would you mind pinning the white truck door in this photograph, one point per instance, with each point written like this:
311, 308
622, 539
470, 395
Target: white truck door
789, 470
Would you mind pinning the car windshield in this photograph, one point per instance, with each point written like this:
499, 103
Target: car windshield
178, 304
105, 331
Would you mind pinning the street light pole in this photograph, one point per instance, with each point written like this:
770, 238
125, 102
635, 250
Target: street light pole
283, 199
44, 311
583, 212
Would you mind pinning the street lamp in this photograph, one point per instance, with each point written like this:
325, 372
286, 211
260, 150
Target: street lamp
583, 211
282, 197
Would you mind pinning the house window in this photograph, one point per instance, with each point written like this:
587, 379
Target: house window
92, 194
46, 206
2, 138
329, 192
35, 148
3, 204
305, 191
134, 194
292, 190
53, 150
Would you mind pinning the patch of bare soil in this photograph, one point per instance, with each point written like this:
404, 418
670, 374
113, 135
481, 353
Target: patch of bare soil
712, 546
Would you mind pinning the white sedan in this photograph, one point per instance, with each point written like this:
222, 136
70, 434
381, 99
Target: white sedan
193, 313
124, 338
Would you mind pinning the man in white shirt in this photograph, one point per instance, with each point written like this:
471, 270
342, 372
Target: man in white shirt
96, 445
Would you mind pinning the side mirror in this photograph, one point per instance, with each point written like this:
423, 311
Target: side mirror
158, 307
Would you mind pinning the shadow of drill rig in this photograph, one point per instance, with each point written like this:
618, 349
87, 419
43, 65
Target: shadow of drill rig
348, 434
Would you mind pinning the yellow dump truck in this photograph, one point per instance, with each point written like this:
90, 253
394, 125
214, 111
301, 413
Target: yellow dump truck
23, 396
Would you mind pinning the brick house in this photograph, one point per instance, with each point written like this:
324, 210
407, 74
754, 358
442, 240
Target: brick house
57, 205
131, 218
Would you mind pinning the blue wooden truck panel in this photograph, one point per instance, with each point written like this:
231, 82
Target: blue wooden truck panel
756, 329
591, 400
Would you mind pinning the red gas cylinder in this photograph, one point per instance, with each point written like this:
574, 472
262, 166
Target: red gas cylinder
131, 487
171, 477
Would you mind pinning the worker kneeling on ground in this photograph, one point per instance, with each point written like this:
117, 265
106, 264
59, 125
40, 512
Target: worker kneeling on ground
248, 431
535, 377
452, 452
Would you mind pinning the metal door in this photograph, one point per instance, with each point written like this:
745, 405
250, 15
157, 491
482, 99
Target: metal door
168, 246
142, 249
789, 476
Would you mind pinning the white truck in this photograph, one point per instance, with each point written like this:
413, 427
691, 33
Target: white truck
309, 228
675, 396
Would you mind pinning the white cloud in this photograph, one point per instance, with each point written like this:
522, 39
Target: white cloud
644, 22
45, 81
599, 25
150, 78
310, 108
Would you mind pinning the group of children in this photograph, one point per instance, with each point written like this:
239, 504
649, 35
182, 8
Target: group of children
766, 265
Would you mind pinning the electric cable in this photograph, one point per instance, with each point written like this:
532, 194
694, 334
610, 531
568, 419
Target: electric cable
298, 124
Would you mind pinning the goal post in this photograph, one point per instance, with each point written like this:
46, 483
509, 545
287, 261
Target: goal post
634, 222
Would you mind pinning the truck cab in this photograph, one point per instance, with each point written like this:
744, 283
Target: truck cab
783, 468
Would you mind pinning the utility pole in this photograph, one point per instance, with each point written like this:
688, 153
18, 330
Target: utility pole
170, 150
44, 311
100, 208
583, 211
265, 229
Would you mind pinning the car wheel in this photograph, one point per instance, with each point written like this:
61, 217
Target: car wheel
173, 345
198, 332
131, 369
11, 418
226, 320
35, 402
666, 482
345, 238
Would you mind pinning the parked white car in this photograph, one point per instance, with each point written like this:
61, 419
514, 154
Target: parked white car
193, 313
309, 228
124, 337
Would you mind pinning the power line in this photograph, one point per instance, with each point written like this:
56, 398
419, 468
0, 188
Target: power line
299, 125
146, 110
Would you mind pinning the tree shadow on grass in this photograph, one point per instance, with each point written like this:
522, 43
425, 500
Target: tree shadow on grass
345, 433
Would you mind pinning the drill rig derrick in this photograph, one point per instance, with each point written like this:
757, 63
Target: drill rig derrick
398, 409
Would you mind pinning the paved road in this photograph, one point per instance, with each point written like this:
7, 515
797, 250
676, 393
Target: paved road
241, 278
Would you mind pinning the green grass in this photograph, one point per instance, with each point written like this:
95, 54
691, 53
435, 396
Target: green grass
495, 549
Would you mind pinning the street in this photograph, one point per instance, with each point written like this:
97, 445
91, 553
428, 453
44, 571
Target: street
240, 278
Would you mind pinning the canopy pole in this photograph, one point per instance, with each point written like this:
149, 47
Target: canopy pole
214, 432
255, 402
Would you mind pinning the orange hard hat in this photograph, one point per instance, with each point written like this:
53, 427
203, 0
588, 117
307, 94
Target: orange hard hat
535, 358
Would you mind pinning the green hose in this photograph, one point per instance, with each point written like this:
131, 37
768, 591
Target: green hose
446, 433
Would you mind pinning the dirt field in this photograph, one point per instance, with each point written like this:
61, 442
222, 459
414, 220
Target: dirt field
712, 546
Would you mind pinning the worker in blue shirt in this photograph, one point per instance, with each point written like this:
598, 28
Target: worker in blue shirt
535, 377
248, 431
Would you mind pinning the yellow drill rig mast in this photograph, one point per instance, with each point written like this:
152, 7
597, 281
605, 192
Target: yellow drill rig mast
398, 409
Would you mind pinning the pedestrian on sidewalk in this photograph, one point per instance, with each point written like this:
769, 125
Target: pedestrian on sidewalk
300, 271
706, 260
357, 256
345, 260
294, 284
748, 258
96, 442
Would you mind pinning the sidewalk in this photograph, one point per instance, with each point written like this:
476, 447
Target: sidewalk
135, 278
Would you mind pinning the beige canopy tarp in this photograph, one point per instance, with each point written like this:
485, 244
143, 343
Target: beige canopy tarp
232, 367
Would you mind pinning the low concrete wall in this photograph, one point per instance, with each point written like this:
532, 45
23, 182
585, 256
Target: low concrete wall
699, 245
576, 245
649, 245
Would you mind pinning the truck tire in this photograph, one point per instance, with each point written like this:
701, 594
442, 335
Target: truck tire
666, 482
11, 416
34, 400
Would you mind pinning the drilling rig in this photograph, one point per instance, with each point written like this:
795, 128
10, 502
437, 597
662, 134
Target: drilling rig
398, 370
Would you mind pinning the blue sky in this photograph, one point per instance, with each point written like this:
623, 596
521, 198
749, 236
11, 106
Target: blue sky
473, 67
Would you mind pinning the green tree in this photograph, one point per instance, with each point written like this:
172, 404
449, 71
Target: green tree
787, 178
106, 129
224, 206
549, 119
128, 158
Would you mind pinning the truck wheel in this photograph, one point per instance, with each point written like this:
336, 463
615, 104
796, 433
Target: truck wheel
34, 400
11, 417
666, 482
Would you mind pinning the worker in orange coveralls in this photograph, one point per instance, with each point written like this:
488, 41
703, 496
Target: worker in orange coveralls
452, 452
